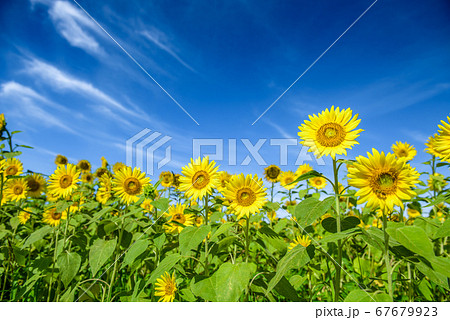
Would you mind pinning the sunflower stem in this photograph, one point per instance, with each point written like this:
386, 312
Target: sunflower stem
113, 276
206, 239
247, 238
53, 264
386, 256
337, 280
271, 191
64, 246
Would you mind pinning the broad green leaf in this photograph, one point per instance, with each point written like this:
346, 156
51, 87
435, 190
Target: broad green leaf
227, 284
359, 295
37, 235
221, 230
162, 204
437, 277
414, 239
330, 223
443, 231
159, 241
135, 250
338, 236
441, 265
311, 209
164, 266
285, 288
295, 258
99, 253
306, 176
14, 222
68, 264
191, 237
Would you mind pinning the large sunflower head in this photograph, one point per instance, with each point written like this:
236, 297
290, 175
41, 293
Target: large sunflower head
166, 178
16, 189
318, 182
272, 173
64, 181
302, 169
129, 184
53, 217
246, 195
383, 180
36, 185
13, 167
61, 160
442, 142
24, 215
286, 179
332, 132
166, 287
199, 178
84, 166
304, 241
178, 219
431, 146
404, 151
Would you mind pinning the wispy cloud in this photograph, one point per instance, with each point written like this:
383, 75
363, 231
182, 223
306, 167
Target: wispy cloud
279, 129
73, 25
160, 39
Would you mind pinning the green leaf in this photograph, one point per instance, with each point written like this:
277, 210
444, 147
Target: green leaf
159, 241
359, 295
161, 204
311, 209
338, 236
414, 239
164, 266
443, 231
221, 230
285, 288
14, 222
191, 237
437, 277
441, 265
68, 264
330, 223
37, 235
99, 253
295, 258
308, 175
8, 155
135, 251
226, 284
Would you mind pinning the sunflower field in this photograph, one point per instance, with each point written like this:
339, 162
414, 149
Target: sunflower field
113, 234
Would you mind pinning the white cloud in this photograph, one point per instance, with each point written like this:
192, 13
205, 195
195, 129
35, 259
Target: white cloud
73, 25
159, 38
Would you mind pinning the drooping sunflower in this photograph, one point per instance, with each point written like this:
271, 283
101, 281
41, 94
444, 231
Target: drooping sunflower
64, 181
330, 133
165, 287
246, 195
129, 184
118, 166
199, 178
198, 221
404, 151
104, 162
300, 240
318, 182
13, 167
16, 189
166, 178
101, 171
2, 121
436, 182
87, 178
431, 147
413, 213
147, 205
224, 179
36, 185
302, 169
104, 192
272, 173
442, 142
61, 160
178, 219
24, 215
84, 166
383, 180
286, 179
53, 217
176, 180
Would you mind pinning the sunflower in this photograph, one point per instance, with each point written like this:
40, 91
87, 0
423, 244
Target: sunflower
165, 287
104, 162
302, 169
53, 217
147, 205
13, 167
290, 203
246, 195
199, 178
129, 184
198, 221
431, 147
224, 179
318, 182
101, 171
2, 165
51, 197
61, 160
383, 180
436, 182
272, 216
36, 185
286, 179
166, 178
404, 151
413, 213
442, 142
178, 219
118, 166
87, 178
330, 133
300, 240
84, 166
2, 121
63, 181
16, 189
24, 215
272, 173
176, 180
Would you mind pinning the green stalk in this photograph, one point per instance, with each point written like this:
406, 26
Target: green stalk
58, 288
53, 264
386, 257
337, 280
113, 276
206, 239
271, 192
247, 238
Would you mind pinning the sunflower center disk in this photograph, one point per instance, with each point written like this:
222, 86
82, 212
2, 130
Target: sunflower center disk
132, 186
65, 181
17, 190
11, 171
385, 184
169, 289
331, 135
179, 218
200, 179
33, 185
245, 197
56, 215
273, 173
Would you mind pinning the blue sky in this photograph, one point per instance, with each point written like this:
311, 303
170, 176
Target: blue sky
73, 91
